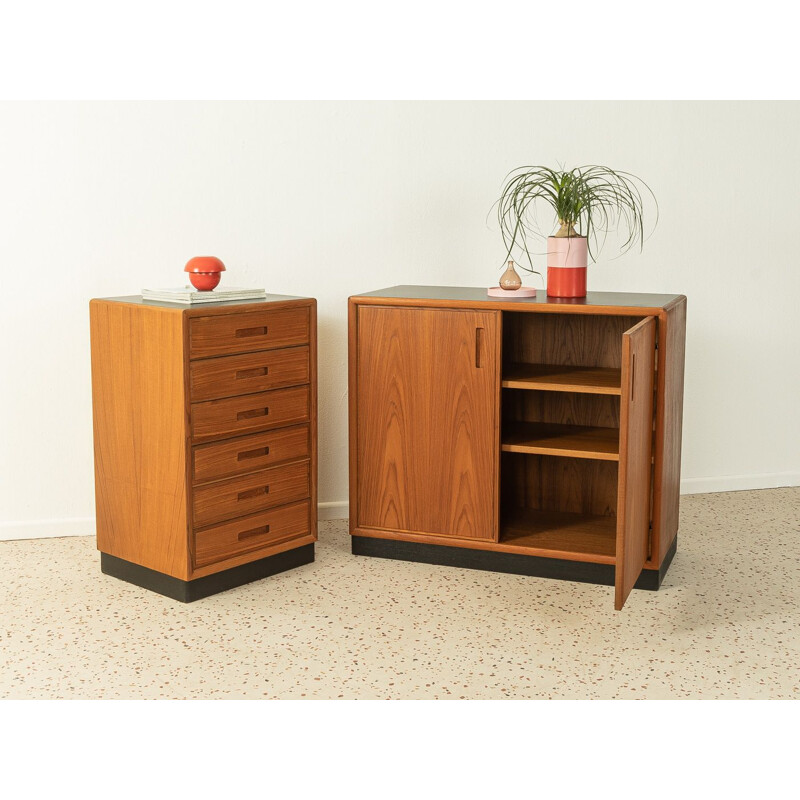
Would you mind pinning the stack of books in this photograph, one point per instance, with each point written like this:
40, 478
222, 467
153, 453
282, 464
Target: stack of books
187, 294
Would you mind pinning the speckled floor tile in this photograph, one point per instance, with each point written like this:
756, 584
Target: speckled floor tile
725, 624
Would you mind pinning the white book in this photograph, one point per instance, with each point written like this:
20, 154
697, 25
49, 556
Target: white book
188, 294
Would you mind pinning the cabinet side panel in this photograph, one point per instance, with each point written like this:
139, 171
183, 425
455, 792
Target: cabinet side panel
313, 413
140, 435
669, 427
352, 398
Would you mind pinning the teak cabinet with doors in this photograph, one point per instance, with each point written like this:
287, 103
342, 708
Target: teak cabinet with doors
205, 441
537, 436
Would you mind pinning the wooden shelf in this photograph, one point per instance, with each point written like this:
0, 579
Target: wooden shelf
560, 378
575, 441
558, 534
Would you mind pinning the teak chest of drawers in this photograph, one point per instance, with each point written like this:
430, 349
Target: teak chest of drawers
205, 441
537, 436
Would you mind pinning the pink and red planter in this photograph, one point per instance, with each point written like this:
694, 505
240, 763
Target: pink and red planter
567, 258
204, 272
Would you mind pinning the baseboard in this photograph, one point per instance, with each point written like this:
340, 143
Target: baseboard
47, 528
84, 526
339, 509
739, 483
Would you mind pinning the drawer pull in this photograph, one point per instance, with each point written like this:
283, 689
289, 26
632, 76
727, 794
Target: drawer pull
260, 451
252, 373
254, 532
243, 332
256, 412
253, 493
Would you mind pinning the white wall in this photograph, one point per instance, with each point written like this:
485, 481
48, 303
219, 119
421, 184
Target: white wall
332, 199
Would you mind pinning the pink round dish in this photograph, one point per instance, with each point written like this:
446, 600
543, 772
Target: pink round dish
523, 291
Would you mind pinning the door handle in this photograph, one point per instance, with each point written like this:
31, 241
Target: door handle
256, 412
243, 332
251, 373
478, 346
250, 493
260, 451
254, 532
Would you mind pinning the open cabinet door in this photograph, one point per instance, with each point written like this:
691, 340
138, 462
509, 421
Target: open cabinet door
635, 451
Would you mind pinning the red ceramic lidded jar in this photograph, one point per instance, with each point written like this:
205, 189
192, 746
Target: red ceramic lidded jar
204, 272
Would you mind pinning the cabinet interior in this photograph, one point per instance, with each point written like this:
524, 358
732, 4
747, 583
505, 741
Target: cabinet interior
560, 419
576, 340
566, 505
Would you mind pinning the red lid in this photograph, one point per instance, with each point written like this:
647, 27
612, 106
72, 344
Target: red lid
204, 264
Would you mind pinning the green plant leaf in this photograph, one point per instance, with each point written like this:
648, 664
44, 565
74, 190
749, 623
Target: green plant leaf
593, 199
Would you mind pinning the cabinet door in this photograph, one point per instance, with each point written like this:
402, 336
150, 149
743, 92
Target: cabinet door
635, 453
427, 418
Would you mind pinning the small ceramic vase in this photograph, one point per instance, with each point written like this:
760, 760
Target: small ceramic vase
204, 272
510, 280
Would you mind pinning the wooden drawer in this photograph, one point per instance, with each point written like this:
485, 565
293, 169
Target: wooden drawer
247, 494
248, 373
251, 533
249, 413
248, 453
226, 334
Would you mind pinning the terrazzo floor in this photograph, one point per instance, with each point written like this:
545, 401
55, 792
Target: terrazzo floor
725, 624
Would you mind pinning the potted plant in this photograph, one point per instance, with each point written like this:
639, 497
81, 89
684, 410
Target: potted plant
587, 202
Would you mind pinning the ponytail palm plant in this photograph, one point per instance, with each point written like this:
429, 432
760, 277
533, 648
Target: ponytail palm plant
587, 201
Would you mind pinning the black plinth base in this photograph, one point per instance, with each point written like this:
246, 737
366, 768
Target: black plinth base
188, 591
513, 563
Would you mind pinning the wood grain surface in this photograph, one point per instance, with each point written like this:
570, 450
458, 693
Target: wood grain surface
138, 398
669, 428
427, 383
552, 483
248, 453
227, 376
635, 451
227, 334
560, 378
561, 532
567, 340
477, 299
577, 441
354, 488
248, 535
534, 539
234, 416
594, 455
153, 486
313, 420
243, 557
247, 494
565, 408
